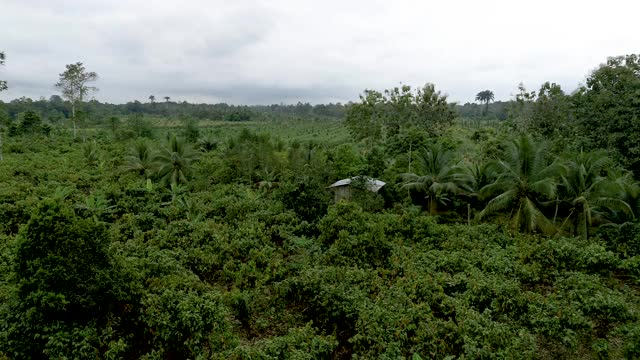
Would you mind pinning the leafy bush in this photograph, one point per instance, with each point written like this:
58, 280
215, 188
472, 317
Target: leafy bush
185, 323
623, 239
65, 282
299, 343
354, 237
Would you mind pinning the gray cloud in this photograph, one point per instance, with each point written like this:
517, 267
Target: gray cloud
256, 94
288, 51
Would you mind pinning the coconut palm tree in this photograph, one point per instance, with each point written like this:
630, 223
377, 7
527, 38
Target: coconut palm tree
439, 178
631, 192
477, 175
174, 161
525, 179
140, 159
590, 193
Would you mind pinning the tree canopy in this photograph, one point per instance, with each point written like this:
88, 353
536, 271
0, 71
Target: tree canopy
608, 108
379, 116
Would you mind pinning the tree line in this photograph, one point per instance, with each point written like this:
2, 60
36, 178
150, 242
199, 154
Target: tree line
74, 86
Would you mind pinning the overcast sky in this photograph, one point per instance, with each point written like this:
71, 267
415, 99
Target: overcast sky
262, 52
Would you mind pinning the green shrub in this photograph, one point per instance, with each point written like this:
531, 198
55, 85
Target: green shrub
354, 237
623, 239
301, 343
185, 323
66, 281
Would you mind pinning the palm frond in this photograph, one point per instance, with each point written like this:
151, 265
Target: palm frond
500, 202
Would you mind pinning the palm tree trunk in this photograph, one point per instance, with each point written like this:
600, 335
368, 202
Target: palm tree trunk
432, 206
565, 220
587, 220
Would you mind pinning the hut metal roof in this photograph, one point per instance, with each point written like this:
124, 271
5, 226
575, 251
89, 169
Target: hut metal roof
372, 184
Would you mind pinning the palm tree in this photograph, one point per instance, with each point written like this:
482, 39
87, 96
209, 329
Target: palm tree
174, 161
589, 193
152, 99
485, 97
631, 191
140, 159
525, 179
440, 177
91, 154
477, 175
166, 105
208, 143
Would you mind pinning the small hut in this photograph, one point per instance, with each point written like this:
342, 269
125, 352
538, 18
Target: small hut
343, 189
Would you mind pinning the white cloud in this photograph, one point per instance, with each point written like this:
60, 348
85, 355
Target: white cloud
286, 50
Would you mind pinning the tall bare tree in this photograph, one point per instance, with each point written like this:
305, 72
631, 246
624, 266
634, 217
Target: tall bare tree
73, 85
3, 84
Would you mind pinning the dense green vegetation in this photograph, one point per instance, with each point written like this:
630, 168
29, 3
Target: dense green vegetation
157, 235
